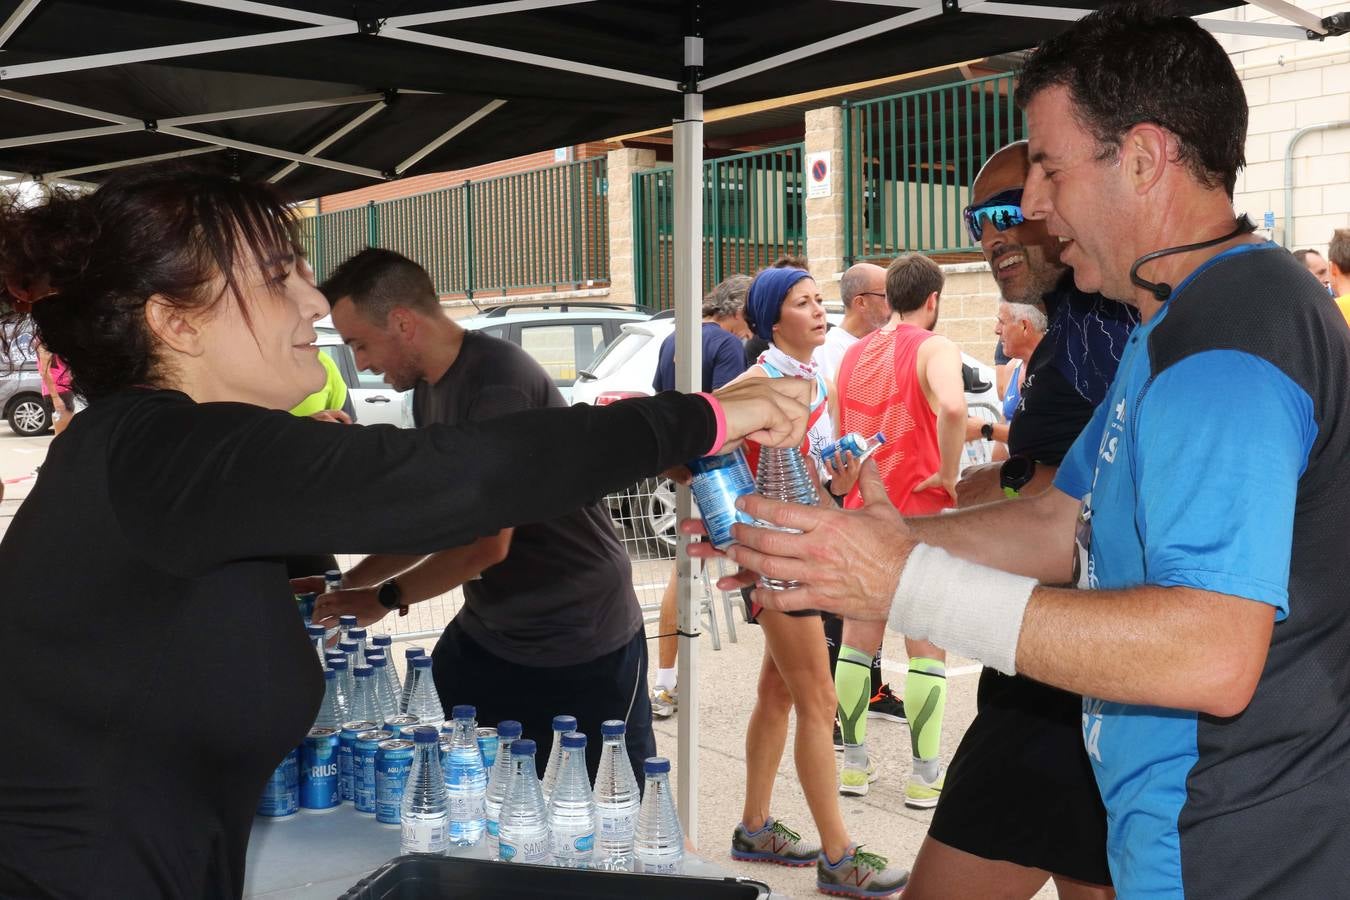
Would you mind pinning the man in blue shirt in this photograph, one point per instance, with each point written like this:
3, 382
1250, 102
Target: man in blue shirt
724, 333
1200, 513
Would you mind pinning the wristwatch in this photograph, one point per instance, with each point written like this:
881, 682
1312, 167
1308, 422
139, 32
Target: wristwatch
1015, 474
390, 596
987, 431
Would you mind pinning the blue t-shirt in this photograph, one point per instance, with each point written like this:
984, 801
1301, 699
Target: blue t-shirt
1189, 474
723, 359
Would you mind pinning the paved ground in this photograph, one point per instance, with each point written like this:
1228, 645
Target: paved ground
725, 695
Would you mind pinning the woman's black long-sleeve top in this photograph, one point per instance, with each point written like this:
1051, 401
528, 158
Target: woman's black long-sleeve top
156, 669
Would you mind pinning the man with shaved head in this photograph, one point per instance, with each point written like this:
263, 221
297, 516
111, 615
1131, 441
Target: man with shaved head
862, 290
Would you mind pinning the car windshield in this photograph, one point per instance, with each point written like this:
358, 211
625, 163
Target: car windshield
619, 351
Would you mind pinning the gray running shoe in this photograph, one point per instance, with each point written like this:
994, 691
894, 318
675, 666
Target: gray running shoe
773, 843
664, 703
859, 874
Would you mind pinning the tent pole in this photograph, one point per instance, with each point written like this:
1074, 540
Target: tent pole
688, 300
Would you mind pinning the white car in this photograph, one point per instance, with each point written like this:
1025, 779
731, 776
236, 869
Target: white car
375, 402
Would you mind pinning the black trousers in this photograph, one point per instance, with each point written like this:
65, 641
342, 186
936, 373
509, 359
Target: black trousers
613, 686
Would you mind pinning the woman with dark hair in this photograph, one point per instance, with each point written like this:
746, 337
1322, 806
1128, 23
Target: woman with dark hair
146, 676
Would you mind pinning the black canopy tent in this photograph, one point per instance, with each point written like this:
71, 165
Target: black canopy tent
327, 95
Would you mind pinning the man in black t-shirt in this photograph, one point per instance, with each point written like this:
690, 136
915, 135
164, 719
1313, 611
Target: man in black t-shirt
550, 624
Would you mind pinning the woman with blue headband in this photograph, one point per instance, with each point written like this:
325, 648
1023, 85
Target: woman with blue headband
784, 308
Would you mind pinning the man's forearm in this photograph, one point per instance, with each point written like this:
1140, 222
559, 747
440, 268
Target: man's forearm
447, 570
377, 569
951, 428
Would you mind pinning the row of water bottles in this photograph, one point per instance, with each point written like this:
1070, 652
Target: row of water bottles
361, 683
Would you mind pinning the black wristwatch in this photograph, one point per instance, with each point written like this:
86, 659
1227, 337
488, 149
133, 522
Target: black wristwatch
390, 596
987, 431
1015, 474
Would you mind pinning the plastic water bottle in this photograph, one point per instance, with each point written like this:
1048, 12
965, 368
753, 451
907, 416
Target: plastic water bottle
507, 733
409, 655
358, 637
385, 697
317, 636
348, 648
345, 623
423, 700
466, 780
616, 801
571, 809
783, 476
523, 834
857, 445
346, 685
331, 714
561, 725
424, 815
364, 705
383, 643
658, 841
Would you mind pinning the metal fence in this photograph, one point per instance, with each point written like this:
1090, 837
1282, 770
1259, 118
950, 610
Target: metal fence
547, 229
753, 212
910, 159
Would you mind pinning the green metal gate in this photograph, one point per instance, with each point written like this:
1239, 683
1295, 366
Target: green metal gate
753, 213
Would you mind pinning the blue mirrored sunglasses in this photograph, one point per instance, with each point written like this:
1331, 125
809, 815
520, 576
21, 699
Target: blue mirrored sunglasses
1003, 211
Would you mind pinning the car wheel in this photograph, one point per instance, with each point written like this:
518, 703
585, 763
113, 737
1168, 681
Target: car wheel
28, 416
658, 517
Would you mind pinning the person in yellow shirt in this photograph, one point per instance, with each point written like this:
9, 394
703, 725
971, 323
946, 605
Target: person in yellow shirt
1338, 260
331, 402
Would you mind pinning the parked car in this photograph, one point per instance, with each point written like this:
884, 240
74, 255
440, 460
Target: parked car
21, 401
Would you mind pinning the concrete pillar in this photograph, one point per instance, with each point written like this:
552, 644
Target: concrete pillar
825, 215
620, 166
968, 308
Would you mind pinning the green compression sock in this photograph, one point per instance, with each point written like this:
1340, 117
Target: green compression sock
852, 685
925, 702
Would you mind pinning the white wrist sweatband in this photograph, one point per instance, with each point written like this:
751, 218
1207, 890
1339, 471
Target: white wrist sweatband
963, 607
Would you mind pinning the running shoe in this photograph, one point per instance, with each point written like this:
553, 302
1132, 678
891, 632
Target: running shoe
859, 874
854, 782
664, 703
885, 705
923, 794
838, 738
773, 843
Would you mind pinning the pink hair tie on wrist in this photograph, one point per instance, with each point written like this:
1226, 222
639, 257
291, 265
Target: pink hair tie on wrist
721, 437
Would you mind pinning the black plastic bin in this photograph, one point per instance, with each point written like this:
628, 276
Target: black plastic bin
426, 877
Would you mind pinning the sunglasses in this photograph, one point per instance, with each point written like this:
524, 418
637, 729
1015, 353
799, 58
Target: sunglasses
1003, 211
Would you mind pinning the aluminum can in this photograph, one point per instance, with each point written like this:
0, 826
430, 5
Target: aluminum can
346, 740
718, 481
281, 797
401, 726
393, 760
319, 790
487, 744
364, 752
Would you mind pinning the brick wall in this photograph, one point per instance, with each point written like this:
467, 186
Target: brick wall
968, 308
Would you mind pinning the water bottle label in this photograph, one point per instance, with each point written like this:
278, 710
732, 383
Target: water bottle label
655, 868
616, 828
585, 843
493, 827
718, 481
535, 851
424, 836
466, 808
506, 852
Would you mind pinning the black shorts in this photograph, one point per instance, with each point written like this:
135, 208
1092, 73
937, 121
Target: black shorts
1020, 787
753, 609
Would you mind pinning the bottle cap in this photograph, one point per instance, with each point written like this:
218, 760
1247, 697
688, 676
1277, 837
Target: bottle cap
612, 727
329, 674
356, 634
348, 646
509, 729
574, 740
463, 711
375, 659
337, 661
315, 631
413, 651
879, 438
522, 747
364, 671
654, 765
422, 662
332, 573
564, 723
423, 734
349, 621
381, 640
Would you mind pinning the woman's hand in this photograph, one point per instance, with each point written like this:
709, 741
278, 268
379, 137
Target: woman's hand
769, 411
844, 469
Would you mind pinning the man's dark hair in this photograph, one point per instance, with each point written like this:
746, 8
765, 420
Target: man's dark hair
377, 281
1338, 251
909, 281
1130, 63
788, 261
1302, 256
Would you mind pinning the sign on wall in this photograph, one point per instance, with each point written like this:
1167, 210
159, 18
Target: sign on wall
819, 173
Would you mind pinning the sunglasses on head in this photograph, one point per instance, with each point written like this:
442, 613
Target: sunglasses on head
1003, 211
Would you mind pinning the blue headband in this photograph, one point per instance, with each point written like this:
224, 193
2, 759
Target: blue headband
765, 300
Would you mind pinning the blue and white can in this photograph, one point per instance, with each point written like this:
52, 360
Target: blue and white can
346, 741
718, 482
364, 751
393, 760
401, 726
281, 796
319, 788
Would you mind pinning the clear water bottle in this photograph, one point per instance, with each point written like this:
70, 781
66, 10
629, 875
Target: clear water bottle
364, 705
466, 780
345, 623
317, 636
507, 733
561, 725
658, 840
616, 801
423, 700
332, 581
346, 685
385, 698
348, 648
424, 815
571, 809
858, 446
383, 643
358, 637
409, 655
331, 714
783, 476
523, 832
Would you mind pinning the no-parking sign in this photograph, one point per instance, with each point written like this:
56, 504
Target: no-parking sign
818, 174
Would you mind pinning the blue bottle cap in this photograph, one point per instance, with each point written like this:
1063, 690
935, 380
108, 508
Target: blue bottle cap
329, 674
381, 640
348, 646
612, 727
315, 631
654, 765
337, 662
424, 734
364, 671
522, 747
413, 651
463, 711
349, 621
564, 723
574, 740
879, 438
509, 729
356, 634
422, 662
376, 659
332, 573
